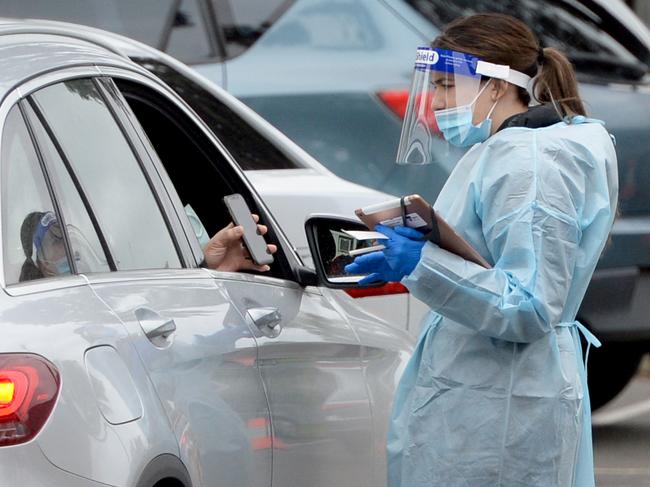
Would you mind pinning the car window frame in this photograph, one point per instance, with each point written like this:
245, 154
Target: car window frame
49, 184
38, 143
222, 12
150, 81
15, 100
213, 37
149, 175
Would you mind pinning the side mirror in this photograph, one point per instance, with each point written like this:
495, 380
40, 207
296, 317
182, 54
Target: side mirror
330, 248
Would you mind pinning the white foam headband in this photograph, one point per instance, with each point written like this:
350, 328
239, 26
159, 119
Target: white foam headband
502, 71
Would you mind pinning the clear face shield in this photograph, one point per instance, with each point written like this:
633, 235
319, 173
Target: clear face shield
440, 111
50, 246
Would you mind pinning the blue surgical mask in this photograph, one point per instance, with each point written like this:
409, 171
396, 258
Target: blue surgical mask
62, 266
457, 127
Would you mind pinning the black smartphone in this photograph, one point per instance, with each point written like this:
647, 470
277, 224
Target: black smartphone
241, 215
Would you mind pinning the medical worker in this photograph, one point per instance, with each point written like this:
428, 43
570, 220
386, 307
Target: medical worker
495, 393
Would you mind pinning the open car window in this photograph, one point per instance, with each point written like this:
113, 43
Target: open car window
198, 170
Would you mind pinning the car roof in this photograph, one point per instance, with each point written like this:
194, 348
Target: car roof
50, 45
29, 48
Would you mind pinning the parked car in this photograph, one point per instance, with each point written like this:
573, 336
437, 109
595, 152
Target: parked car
130, 365
334, 78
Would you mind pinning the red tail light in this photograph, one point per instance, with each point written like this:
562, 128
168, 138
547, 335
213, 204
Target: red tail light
29, 385
397, 101
385, 290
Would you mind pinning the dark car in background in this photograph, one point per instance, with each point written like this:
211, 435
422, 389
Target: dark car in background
334, 75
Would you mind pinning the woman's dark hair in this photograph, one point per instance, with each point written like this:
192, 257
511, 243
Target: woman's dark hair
29, 269
502, 39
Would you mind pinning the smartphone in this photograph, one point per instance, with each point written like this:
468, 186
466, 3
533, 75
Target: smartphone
241, 215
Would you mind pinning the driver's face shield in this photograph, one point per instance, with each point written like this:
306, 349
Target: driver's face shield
441, 80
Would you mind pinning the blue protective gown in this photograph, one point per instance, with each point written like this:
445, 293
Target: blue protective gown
495, 393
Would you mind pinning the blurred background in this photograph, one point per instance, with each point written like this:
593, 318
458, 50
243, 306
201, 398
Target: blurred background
333, 75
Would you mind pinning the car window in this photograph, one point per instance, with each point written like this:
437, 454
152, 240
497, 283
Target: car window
168, 25
188, 39
251, 150
193, 163
32, 242
110, 175
243, 22
564, 24
87, 251
345, 25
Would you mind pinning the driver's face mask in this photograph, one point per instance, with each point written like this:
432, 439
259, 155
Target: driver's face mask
456, 123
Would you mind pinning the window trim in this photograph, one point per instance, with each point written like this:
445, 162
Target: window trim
149, 157
92, 76
52, 191
140, 158
54, 280
75, 180
217, 48
293, 261
279, 11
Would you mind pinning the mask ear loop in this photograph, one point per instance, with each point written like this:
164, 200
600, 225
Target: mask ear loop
494, 105
557, 108
487, 117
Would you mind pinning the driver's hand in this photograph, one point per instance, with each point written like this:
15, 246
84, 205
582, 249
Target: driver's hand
226, 251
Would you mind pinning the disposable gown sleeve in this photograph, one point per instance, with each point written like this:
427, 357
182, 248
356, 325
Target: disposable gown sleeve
529, 221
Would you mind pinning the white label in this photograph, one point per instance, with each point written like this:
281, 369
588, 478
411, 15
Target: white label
413, 220
426, 56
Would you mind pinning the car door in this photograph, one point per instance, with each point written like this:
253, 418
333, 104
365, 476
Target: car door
50, 311
198, 351
308, 354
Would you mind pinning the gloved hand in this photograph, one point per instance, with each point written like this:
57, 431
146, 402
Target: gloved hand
397, 260
375, 265
403, 248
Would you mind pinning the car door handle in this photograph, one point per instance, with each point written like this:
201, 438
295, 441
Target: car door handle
267, 318
155, 327
163, 328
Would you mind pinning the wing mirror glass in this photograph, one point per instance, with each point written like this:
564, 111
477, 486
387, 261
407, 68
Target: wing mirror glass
334, 243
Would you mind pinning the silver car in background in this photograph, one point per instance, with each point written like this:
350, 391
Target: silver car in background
136, 367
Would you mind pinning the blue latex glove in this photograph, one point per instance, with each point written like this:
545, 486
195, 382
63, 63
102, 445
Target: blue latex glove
403, 248
375, 265
398, 259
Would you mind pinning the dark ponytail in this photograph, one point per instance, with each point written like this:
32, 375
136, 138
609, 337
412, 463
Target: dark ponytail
556, 83
502, 39
29, 270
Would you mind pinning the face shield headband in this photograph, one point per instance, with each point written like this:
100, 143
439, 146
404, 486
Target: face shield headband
444, 90
47, 239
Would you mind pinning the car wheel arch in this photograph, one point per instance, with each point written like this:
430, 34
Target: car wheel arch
165, 470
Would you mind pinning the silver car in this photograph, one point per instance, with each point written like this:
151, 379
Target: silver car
127, 363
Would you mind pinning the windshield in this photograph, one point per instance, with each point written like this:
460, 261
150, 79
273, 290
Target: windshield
564, 24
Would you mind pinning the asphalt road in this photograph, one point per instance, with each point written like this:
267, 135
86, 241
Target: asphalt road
622, 437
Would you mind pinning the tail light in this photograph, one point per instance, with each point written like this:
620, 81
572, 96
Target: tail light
29, 385
385, 290
397, 101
